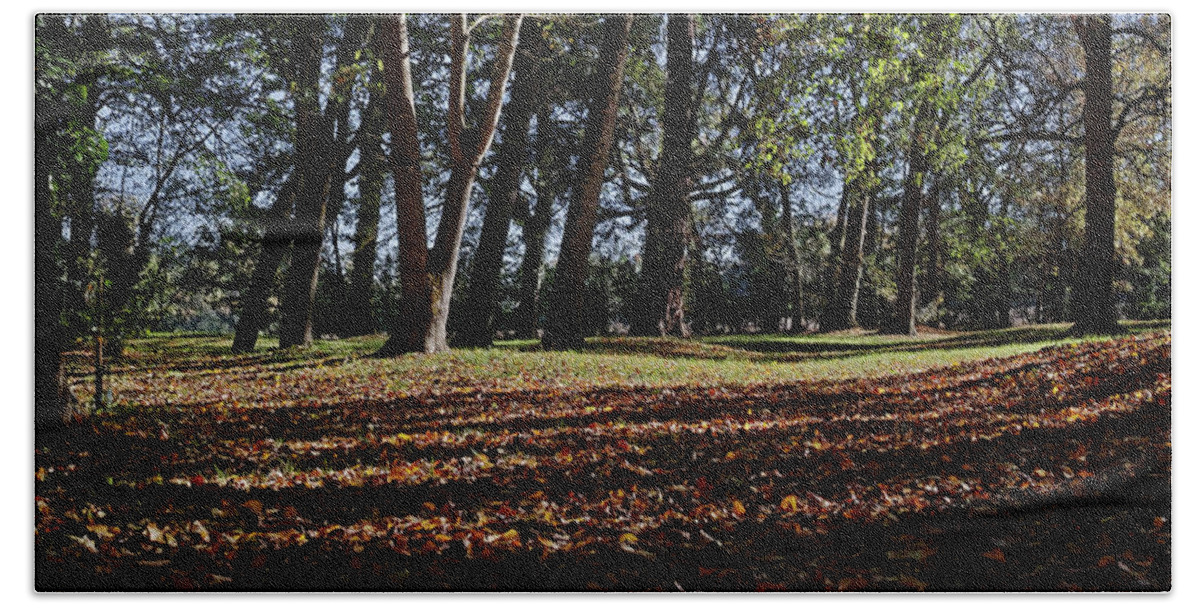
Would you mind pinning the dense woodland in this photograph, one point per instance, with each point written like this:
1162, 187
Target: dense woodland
447, 180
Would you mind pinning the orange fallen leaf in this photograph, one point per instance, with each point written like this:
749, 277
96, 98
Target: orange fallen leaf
995, 554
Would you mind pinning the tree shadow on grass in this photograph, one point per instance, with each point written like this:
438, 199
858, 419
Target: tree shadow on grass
824, 346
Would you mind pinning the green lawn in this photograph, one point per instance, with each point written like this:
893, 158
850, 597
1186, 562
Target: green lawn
198, 361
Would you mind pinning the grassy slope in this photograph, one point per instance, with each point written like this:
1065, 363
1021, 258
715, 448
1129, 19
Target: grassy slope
518, 365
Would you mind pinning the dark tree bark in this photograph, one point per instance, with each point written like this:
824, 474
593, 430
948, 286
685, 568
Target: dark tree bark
868, 310
935, 249
49, 393
537, 223
511, 155
428, 275
843, 310
832, 277
318, 151
792, 251
80, 195
903, 319
858, 193
371, 172
413, 314
659, 308
564, 327
276, 239
1094, 306
660, 291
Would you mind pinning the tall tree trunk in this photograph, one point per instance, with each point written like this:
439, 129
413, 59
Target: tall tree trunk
844, 309
525, 317
413, 315
276, 239
564, 327
792, 251
371, 173
511, 154
313, 170
433, 281
49, 388
321, 151
81, 213
903, 319
1094, 306
660, 287
832, 278
935, 249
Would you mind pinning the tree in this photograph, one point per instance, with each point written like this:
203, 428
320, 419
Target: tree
427, 274
933, 94
512, 153
372, 171
660, 289
564, 328
322, 145
1094, 311
549, 182
71, 60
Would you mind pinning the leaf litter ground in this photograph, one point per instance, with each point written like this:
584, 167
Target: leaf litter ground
1047, 470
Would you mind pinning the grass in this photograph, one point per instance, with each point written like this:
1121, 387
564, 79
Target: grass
203, 369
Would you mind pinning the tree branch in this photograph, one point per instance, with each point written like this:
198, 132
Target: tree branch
1144, 35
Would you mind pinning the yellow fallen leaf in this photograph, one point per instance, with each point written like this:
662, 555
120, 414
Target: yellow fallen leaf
738, 508
628, 537
789, 503
512, 537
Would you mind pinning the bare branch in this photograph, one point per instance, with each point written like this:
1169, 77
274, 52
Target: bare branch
1144, 35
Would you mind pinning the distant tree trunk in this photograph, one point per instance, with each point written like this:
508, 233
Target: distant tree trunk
371, 173
843, 313
564, 327
933, 230
525, 317
868, 307
511, 155
832, 276
426, 332
1094, 305
123, 259
659, 310
276, 239
313, 169
903, 319
792, 251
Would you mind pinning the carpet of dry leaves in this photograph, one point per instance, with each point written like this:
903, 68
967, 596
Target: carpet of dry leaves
1043, 471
